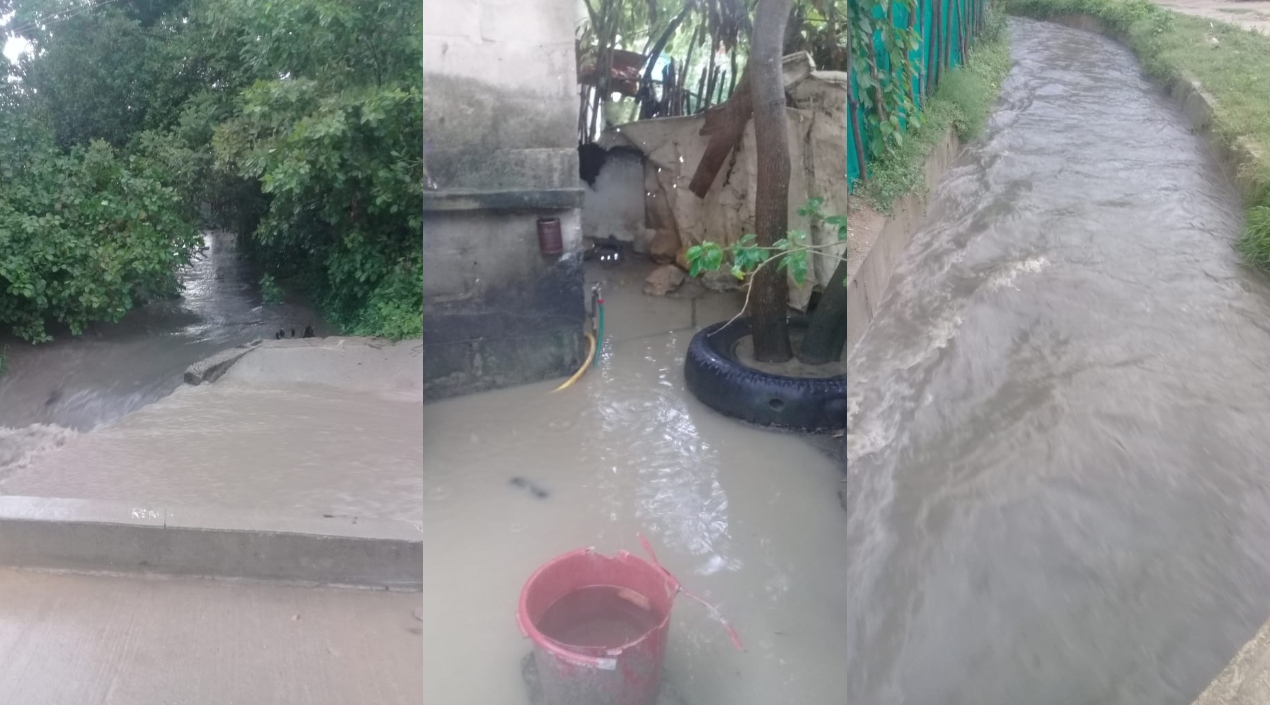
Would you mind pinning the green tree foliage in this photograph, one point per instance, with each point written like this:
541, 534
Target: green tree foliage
84, 235
297, 122
334, 141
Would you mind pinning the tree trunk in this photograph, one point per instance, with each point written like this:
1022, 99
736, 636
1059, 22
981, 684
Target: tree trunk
769, 290
827, 331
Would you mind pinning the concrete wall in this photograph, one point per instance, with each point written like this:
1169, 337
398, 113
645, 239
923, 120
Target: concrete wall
496, 312
500, 93
500, 114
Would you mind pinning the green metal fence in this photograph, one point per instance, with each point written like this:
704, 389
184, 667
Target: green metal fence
941, 49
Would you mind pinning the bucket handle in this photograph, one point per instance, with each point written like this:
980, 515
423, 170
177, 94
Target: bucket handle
714, 611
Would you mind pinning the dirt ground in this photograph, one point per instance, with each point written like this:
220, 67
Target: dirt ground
1251, 14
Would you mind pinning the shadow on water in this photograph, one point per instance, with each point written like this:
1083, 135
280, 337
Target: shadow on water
1056, 487
113, 369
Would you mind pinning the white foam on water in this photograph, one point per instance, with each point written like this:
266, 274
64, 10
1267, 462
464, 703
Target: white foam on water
1006, 277
19, 445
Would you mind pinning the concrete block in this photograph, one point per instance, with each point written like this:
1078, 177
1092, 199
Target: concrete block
93, 536
493, 362
359, 364
482, 255
210, 369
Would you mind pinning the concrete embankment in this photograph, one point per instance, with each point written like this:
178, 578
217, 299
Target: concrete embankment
293, 460
876, 243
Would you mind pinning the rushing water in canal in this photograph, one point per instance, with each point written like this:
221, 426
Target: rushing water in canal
1058, 443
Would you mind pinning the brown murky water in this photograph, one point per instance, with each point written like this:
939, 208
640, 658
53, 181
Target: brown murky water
747, 518
597, 616
113, 369
106, 416
1058, 488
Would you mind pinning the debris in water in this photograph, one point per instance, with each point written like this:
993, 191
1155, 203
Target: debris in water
533, 488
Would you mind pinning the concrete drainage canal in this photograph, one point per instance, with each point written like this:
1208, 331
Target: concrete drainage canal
1057, 439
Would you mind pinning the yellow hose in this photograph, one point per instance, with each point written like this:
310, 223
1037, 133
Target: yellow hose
581, 370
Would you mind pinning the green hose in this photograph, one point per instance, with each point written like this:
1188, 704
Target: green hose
599, 334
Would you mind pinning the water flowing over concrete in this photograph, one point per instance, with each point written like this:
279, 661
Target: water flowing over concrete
1058, 420
113, 369
304, 427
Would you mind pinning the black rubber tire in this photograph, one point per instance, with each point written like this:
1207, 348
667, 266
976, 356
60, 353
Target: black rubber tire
720, 381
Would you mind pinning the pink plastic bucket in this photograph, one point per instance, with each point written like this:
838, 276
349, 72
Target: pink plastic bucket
616, 674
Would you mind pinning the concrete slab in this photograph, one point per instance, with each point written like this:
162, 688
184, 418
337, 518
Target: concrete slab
346, 363
104, 640
91, 535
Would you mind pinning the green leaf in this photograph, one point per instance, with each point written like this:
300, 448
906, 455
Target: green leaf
798, 265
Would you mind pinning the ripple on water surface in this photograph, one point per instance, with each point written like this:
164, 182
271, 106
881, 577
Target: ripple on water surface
298, 450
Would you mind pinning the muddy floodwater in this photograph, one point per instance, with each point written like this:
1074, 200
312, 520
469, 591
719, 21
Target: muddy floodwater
1058, 440
106, 416
295, 450
112, 369
747, 518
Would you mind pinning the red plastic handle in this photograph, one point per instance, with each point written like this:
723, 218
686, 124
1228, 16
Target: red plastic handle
714, 611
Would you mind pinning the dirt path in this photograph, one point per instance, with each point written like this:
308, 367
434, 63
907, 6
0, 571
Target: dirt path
1251, 14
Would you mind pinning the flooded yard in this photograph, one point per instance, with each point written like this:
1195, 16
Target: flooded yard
747, 518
